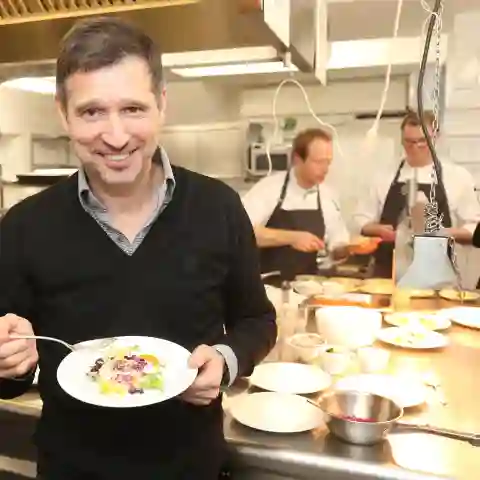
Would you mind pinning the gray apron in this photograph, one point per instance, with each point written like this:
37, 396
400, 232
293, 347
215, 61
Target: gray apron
287, 260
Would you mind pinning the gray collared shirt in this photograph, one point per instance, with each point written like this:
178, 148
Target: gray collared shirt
97, 210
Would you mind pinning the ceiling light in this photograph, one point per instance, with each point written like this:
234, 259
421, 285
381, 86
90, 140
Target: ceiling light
235, 69
45, 85
219, 56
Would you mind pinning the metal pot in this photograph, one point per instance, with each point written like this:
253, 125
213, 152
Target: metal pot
366, 419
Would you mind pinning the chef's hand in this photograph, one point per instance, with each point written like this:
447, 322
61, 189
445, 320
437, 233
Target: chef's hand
461, 235
17, 357
206, 387
306, 242
386, 233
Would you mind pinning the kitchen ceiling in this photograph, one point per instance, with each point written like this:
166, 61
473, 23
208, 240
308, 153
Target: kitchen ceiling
355, 19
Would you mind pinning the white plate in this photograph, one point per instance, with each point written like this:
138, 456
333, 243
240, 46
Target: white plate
465, 316
285, 377
276, 412
404, 392
307, 288
428, 320
72, 374
399, 336
455, 295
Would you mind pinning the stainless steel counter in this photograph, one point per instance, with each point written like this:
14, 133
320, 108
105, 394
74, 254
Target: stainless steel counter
405, 456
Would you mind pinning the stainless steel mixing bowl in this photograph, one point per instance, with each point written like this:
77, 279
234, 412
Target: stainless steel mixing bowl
359, 418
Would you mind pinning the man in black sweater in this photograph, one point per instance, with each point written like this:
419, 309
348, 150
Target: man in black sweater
128, 246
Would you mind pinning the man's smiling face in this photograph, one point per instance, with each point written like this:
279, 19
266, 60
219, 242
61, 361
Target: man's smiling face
113, 116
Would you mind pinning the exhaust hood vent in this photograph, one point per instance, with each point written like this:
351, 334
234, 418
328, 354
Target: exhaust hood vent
195, 25
23, 11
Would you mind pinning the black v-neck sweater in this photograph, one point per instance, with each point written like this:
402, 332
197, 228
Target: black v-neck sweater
196, 270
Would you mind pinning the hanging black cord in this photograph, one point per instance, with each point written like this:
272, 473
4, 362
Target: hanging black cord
421, 77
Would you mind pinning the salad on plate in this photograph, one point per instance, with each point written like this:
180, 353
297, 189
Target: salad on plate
127, 371
408, 337
418, 320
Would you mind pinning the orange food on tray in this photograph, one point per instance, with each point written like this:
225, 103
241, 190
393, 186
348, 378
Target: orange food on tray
348, 300
364, 245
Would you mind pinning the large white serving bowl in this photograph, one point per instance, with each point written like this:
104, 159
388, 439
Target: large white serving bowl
348, 326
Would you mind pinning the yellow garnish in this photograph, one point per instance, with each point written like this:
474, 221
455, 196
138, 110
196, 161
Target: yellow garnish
107, 387
151, 359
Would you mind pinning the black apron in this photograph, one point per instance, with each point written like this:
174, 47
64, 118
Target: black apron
287, 260
395, 203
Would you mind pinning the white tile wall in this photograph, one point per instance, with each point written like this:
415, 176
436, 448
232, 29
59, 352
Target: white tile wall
461, 140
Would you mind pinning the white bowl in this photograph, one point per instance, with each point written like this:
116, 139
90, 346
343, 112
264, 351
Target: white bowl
335, 359
348, 326
306, 346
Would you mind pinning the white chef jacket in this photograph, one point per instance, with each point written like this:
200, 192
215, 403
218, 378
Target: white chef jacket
459, 187
260, 202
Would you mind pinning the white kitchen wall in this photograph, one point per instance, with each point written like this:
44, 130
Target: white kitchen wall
343, 97
24, 118
14, 154
462, 115
216, 149
50, 152
196, 102
28, 112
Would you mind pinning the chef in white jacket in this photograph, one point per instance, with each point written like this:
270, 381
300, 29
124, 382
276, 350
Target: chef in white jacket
379, 211
294, 214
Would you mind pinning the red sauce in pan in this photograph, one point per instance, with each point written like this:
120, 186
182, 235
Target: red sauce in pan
352, 418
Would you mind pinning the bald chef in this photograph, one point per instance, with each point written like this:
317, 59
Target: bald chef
379, 212
294, 213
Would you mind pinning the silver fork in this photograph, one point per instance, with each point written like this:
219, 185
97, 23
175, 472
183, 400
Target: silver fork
104, 343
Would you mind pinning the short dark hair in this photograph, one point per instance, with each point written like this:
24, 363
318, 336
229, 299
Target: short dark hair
303, 139
412, 119
101, 42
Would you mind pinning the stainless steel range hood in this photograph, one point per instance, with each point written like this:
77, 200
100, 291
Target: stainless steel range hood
30, 30
28, 48
23, 11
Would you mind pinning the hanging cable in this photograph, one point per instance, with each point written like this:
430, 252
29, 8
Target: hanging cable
311, 111
371, 138
372, 133
388, 74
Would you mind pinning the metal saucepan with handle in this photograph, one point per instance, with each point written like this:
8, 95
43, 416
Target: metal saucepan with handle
366, 419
